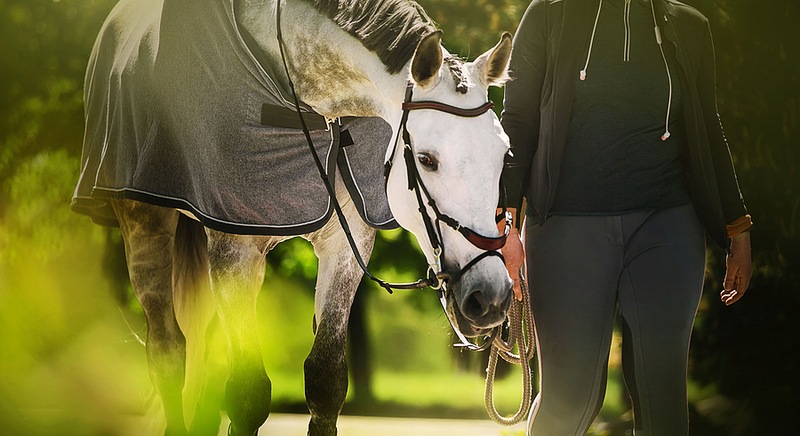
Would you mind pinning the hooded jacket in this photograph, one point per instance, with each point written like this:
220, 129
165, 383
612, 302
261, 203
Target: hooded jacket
550, 45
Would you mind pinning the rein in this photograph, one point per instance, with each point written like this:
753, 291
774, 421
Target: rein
435, 278
431, 280
519, 329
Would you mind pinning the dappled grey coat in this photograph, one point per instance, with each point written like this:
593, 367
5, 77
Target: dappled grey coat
174, 97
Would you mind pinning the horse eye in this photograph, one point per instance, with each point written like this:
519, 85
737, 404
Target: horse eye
427, 161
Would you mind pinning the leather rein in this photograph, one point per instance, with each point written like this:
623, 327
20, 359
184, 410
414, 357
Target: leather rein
435, 278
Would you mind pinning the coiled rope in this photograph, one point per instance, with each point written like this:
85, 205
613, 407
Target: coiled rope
520, 334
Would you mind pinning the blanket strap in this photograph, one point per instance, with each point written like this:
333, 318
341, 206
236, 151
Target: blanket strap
279, 116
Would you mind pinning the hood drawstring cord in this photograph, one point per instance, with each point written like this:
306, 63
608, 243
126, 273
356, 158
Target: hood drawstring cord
626, 55
657, 30
591, 41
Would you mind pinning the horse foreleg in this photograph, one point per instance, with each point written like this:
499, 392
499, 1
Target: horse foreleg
148, 232
337, 281
237, 273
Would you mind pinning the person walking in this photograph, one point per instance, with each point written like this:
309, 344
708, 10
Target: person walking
619, 154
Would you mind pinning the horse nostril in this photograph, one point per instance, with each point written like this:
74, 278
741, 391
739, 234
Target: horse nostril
475, 306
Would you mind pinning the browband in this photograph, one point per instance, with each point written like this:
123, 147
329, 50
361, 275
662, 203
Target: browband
435, 105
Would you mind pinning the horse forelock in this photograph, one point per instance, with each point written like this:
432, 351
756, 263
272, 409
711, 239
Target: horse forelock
458, 73
389, 28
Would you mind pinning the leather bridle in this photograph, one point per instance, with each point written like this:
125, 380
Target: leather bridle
436, 275
416, 184
436, 278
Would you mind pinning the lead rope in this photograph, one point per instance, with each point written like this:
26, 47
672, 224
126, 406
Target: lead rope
520, 333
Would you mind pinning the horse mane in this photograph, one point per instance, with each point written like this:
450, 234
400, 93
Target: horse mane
389, 28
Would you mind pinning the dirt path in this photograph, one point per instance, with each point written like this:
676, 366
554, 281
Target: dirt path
296, 425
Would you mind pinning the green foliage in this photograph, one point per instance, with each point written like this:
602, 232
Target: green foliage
294, 259
474, 26
44, 46
39, 191
58, 300
66, 345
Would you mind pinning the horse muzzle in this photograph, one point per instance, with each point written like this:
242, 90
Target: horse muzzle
477, 305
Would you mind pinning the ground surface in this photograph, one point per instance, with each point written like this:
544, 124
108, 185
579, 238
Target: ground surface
296, 425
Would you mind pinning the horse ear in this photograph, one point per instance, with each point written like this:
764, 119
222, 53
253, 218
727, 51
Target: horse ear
492, 66
427, 59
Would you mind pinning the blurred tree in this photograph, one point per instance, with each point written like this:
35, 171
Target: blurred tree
750, 351
394, 251
44, 46
473, 26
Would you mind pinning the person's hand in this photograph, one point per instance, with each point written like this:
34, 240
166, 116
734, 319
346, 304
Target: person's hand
738, 269
514, 255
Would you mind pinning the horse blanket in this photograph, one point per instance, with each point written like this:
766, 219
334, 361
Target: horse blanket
182, 111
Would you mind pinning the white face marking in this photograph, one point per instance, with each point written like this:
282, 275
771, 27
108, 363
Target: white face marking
469, 153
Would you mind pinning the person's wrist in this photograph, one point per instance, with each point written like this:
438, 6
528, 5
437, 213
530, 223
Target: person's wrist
740, 225
745, 235
503, 212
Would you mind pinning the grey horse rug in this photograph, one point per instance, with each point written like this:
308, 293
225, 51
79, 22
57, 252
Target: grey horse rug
182, 112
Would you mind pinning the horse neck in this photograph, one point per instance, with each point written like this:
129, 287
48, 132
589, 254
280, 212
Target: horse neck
332, 72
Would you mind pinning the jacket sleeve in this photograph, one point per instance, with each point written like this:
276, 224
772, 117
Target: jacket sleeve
733, 206
522, 99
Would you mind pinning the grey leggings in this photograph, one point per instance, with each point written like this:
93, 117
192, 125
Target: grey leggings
582, 270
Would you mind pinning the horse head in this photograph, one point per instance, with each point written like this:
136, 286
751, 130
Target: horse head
455, 147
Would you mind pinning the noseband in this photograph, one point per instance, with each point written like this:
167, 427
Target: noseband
415, 183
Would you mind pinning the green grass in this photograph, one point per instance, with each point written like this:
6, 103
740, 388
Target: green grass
71, 362
456, 389
69, 349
